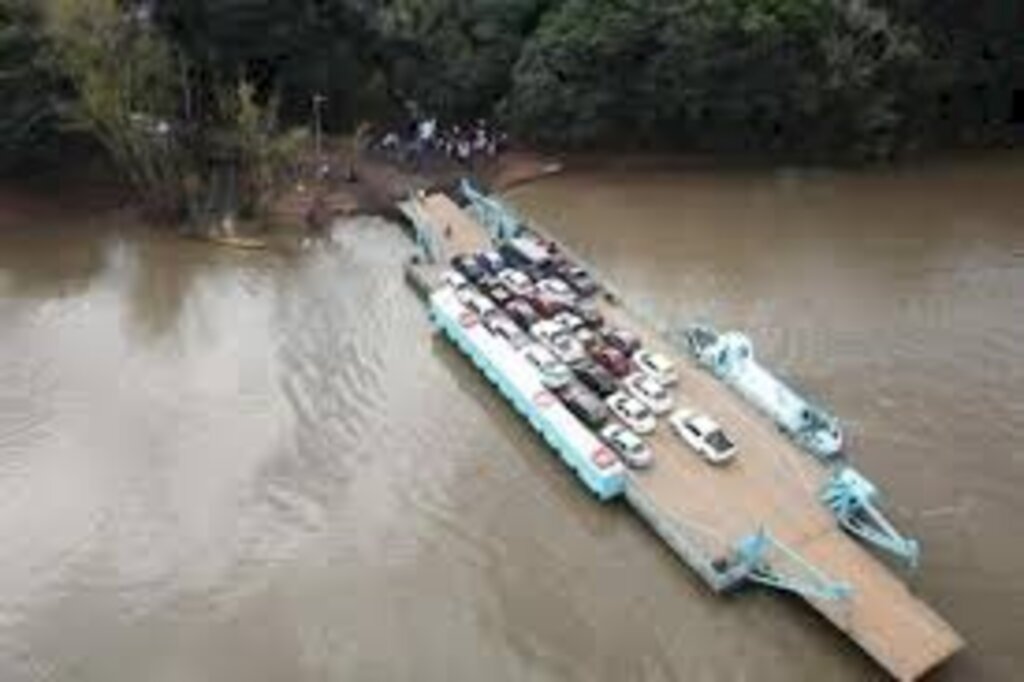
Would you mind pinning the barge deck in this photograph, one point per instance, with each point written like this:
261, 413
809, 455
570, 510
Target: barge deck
769, 496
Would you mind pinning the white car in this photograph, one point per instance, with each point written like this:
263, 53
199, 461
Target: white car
655, 365
475, 301
627, 445
557, 288
704, 435
503, 327
649, 391
454, 279
563, 345
553, 373
587, 337
635, 414
569, 322
516, 281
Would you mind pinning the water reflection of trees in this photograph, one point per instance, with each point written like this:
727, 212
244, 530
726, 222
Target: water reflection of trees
49, 262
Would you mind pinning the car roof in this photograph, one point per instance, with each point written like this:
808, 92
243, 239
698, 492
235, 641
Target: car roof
704, 423
630, 438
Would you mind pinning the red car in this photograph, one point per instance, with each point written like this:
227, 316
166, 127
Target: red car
547, 305
612, 359
625, 342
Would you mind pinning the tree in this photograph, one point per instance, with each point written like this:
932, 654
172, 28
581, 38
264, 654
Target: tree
30, 88
735, 75
126, 86
454, 57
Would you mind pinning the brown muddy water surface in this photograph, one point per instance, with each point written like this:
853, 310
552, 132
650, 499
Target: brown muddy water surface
261, 466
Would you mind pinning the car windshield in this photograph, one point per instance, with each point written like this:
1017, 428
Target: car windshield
630, 442
634, 409
652, 388
718, 441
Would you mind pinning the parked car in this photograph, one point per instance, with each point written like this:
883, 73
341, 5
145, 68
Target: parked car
627, 445
468, 267
704, 435
611, 359
597, 379
475, 301
522, 313
590, 315
524, 251
502, 326
635, 414
554, 374
454, 279
556, 264
587, 338
569, 321
557, 288
491, 262
565, 346
496, 291
517, 282
656, 366
624, 341
586, 406
649, 391
546, 305
579, 279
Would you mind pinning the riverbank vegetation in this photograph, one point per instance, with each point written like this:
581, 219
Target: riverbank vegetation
191, 97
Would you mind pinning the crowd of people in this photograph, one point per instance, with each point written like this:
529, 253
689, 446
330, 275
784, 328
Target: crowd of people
425, 139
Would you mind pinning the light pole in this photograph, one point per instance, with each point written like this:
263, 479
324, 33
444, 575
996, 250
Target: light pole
318, 102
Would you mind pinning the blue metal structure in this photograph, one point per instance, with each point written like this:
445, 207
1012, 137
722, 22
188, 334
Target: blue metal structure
762, 559
501, 222
852, 498
730, 357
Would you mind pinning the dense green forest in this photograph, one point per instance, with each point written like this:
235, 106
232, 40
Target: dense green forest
829, 78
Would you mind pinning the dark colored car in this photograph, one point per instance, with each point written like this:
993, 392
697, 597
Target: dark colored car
522, 313
586, 406
491, 262
580, 280
597, 379
612, 359
469, 267
626, 342
510, 255
523, 254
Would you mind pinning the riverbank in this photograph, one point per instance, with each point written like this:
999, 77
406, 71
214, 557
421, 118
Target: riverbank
371, 185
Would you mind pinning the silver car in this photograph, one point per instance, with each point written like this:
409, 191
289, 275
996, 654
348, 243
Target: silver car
553, 374
627, 445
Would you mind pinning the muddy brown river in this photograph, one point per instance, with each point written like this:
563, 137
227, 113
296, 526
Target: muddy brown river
227, 467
